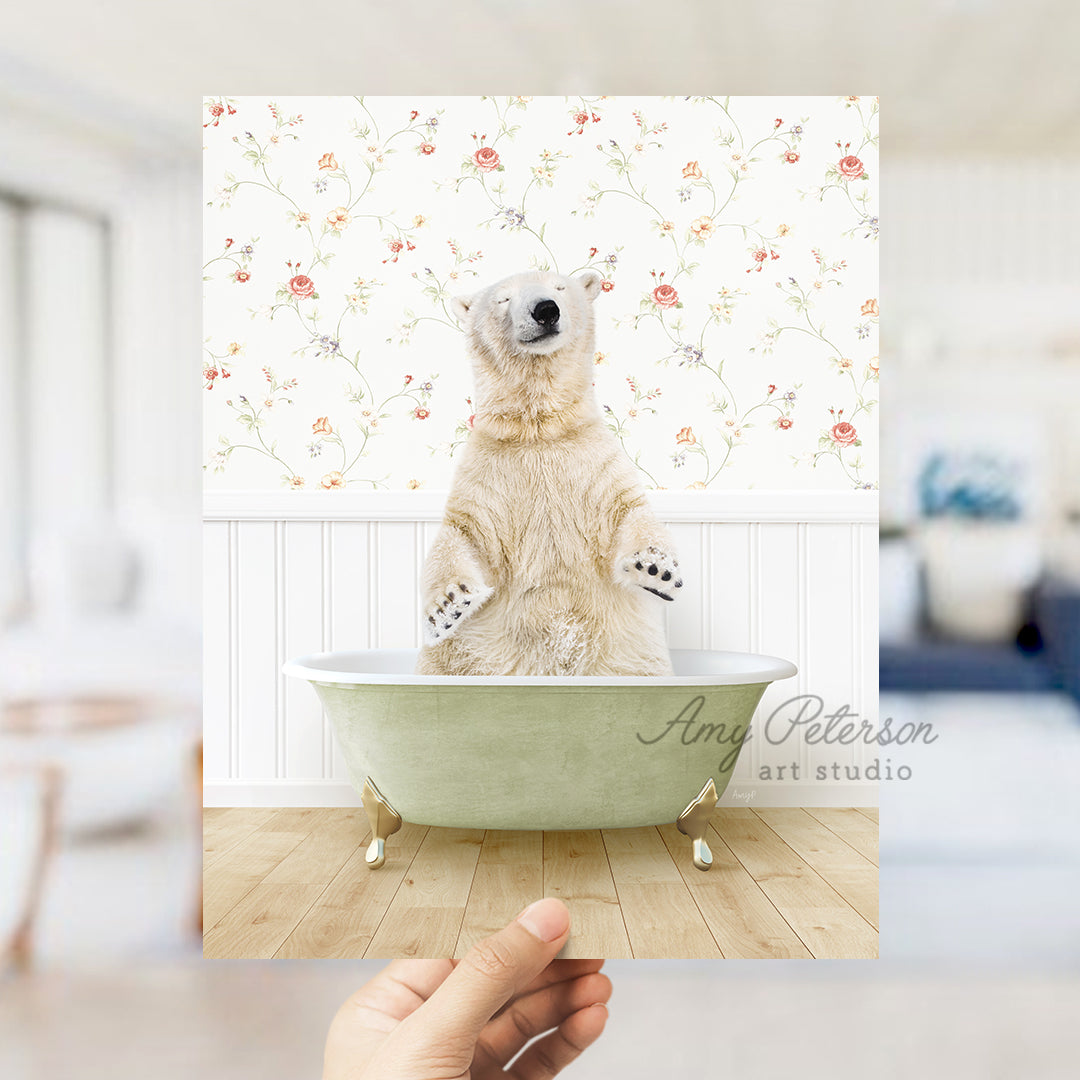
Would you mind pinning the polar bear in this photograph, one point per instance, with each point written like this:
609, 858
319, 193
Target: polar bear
548, 560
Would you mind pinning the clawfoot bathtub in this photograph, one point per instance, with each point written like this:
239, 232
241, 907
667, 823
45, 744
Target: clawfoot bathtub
529, 752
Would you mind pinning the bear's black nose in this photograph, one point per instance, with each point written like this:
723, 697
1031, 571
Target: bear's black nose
546, 313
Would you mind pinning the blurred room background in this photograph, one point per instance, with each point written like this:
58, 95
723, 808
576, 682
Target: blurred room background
99, 484
980, 547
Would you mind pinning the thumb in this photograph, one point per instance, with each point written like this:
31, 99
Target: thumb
492, 972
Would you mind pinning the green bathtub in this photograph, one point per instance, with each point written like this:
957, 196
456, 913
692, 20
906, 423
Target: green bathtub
517, 752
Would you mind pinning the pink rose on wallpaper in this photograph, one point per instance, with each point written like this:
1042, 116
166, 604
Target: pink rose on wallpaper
760, 255
843, 433
851, 168
421, 413
486, 158
427, 148
791, 157
607, 286
241, 276
665, 296
784, 423
301, 286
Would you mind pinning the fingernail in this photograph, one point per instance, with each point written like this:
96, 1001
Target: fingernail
546, 919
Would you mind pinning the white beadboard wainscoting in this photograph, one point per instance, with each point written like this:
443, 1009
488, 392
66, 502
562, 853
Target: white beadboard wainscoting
793, 574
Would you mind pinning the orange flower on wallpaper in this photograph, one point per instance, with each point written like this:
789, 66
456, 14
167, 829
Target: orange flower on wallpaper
333, 481
338, 218
692, 171
686, 437
703, 227
869, 308
328, 161
322, 426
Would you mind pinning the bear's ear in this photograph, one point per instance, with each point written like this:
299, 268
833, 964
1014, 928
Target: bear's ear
590, 282
460, 305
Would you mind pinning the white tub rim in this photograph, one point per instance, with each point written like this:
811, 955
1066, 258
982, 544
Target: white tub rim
394, 667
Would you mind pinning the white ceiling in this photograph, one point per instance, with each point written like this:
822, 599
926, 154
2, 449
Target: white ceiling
956, 77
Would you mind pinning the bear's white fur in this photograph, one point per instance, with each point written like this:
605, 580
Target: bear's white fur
548, 561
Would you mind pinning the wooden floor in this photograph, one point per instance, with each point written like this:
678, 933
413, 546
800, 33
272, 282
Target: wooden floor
785, 883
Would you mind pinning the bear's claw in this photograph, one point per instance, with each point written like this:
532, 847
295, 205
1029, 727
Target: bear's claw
650, 567
444, 614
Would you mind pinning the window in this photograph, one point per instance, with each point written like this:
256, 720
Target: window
56, 416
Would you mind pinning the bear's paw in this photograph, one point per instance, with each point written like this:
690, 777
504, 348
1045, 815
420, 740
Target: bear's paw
450, 607
653, 570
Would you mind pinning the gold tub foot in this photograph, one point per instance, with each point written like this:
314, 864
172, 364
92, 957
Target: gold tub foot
384, 821
694, 821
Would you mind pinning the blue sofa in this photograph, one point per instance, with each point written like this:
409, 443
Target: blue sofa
1045, 656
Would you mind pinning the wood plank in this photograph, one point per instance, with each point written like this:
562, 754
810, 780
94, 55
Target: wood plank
826, 924
869, 811
637, 856
576, 870
225, 827
343, 920
851, 826
658, 911
425, 916
852, 875
255, 928
741, 918
663, 922
509, 876
860, 889
333, 839
813, 841
294, 818
229, 879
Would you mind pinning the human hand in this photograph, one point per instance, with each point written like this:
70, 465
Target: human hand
450, 1020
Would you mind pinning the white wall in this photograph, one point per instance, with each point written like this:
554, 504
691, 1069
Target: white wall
792, 574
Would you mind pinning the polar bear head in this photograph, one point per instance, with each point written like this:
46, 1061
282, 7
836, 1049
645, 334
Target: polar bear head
531, 337
530, 314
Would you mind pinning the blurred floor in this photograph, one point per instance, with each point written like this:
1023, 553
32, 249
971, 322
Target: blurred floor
267, 1020
980, 849
121, 897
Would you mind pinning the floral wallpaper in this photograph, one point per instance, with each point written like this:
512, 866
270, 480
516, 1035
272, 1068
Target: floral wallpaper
737, 239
